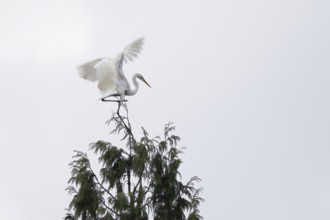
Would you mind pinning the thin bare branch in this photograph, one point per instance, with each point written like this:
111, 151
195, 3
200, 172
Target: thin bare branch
110, 209
100, 184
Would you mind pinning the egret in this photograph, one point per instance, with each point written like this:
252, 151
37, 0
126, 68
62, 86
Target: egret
108, 72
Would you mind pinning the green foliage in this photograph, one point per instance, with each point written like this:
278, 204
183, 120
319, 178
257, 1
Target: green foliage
139, 182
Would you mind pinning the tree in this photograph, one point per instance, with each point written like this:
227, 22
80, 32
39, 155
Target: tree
135, 182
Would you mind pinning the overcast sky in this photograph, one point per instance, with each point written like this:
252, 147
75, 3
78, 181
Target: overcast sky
247, 84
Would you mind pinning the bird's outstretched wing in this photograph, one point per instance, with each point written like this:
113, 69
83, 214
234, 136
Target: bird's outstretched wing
129, 52
133, 49
107, 76
109, 72
87, 70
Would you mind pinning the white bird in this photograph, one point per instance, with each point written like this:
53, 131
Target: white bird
108, 72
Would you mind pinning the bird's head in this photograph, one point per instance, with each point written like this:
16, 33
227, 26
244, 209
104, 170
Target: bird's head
140, 77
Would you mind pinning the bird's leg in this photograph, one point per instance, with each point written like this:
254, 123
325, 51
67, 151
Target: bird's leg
123, 101
119, 104
109, 100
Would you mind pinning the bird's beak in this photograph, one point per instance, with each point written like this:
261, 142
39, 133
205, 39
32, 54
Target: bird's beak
145, 82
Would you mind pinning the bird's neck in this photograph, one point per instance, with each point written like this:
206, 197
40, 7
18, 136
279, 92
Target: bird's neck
136, 87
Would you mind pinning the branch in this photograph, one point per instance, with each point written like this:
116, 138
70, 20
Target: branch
148, 189
147, 203
127, 128
150, 198
125, 153
109, 207
139, 182
131, 139
98, 182
129, 178
130, 127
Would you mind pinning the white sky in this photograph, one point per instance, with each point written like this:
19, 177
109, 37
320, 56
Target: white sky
247, 84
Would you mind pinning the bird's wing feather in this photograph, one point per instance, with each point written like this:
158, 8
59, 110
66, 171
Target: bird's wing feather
129, 52
107, 76
133, 49
87, 70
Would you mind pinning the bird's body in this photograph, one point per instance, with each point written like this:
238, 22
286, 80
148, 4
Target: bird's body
108, 72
